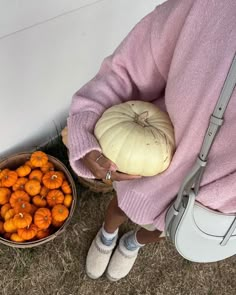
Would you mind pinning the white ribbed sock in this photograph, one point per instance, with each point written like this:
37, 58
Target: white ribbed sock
131, 242
107, 238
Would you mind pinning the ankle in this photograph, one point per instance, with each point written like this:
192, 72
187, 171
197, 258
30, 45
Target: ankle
131, 243
144, 236
109, 229
107, 238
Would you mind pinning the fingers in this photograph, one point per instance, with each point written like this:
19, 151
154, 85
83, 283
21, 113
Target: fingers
105, 163
103, 168
98, 164
109, 170
118, 176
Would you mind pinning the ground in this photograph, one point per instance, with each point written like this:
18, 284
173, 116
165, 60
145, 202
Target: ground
58, 267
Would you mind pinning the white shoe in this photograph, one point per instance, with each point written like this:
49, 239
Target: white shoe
122, 261
98, 257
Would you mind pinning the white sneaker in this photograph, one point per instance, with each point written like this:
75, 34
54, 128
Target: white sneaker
98, 257
122, 261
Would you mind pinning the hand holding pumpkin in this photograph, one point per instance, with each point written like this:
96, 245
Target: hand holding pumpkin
100, 165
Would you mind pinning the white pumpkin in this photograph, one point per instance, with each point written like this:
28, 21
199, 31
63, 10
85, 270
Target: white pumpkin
137, 136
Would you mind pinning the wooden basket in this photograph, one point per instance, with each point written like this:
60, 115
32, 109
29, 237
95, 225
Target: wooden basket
15, 161
96, 185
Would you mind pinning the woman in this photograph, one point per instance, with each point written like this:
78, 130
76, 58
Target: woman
177, 58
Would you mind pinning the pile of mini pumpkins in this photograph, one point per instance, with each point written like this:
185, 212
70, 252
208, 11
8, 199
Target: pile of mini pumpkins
35, 199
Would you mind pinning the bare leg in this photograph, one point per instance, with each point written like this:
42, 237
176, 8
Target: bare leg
114, 216
145, 236
125, 255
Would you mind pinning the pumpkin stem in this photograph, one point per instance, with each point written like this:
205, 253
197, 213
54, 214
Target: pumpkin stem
21, 215
141, 119
53, 176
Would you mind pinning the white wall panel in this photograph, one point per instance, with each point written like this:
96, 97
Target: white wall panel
41, 67
17, 15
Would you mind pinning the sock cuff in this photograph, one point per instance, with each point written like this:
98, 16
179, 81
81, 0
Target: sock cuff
136, 241
109, 236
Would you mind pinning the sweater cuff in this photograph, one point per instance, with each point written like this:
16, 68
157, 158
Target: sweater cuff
81, 141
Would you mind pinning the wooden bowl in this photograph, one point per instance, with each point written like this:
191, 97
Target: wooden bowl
15, 161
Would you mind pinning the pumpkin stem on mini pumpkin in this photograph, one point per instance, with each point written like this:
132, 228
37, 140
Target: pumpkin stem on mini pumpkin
54, 176
21, 215
141, 119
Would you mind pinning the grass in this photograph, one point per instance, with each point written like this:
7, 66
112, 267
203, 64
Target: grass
58, 267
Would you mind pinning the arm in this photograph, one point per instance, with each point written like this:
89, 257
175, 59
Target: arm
131, 72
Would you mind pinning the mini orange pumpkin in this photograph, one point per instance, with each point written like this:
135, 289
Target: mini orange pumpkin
3, 172
43, 218
57, 223
22, 220
39, 201
60, 213
22, 207
47, 167
55, 197
9, 226
61, 174
52, 179
9, 178
18, 197
28, 163
4, 195
39, 159
43, 233
33, 209
28, 233
67, 200
9, 214
44, 191
32, 187
16, 238
23, 170
4, 209
36, 175
66, 187
20, 184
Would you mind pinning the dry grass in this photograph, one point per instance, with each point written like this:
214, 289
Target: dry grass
58, 267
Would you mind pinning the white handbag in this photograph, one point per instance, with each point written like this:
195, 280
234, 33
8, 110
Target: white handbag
199, 233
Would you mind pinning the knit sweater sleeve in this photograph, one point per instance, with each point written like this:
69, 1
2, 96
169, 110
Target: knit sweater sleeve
131, 72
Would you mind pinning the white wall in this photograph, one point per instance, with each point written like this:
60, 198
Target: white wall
48, 50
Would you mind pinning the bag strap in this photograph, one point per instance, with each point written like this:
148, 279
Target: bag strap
193, 179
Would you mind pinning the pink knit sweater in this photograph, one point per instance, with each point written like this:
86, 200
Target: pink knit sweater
177, 57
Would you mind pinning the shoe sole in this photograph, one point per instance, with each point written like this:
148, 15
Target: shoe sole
91, 276
111, 278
